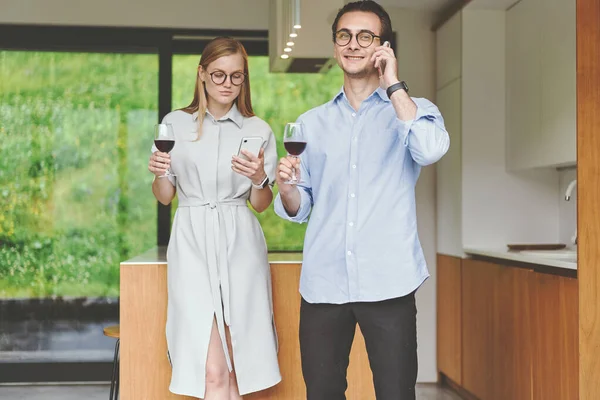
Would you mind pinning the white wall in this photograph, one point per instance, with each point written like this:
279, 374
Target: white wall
416, 54
416, 60
567, 209
199, 14
498, 207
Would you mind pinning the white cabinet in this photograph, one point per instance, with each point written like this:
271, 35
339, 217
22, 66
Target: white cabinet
559, 89
448, 169
474, 189
523, 84
540, 72
449, 51
449, 174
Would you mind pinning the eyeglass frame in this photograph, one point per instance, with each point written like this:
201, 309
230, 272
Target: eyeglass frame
355, 35
245, 75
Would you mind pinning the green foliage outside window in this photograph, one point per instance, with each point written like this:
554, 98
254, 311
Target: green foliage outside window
75, 136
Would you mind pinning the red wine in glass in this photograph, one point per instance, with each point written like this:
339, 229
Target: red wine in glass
295, 148
164, 140
164, 145
294, 140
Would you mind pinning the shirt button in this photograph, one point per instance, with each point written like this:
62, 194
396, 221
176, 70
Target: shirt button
354, 114
349, 253
352, 195
354, 166
351, 224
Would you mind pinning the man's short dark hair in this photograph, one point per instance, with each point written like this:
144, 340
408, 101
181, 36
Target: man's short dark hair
367, 6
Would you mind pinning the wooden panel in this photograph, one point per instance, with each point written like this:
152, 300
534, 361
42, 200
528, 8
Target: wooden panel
144, 366
588, 194
449, 322
286, 302
286, 306
145, 370
554, 335
477, 327
512, 356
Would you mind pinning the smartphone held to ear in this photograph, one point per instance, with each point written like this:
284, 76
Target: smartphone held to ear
381, 66
252, 144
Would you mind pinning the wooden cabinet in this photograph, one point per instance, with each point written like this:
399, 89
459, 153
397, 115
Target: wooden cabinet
449, 338
478, 327
512, 350
496, 331
518, 328
541, 84
555, 337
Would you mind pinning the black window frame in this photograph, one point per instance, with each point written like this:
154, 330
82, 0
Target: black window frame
164, 42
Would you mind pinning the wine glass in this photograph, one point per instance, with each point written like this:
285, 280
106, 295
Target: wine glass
294, 140
164, 140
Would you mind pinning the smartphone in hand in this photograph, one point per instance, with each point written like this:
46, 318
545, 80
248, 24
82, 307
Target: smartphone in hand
253, 144
382, 63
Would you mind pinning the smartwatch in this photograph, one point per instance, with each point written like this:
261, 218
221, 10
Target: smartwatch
261, 185
396, 86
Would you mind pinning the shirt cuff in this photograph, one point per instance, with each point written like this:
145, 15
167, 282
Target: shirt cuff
303, 212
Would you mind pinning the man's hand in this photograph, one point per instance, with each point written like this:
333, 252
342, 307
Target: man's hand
284, 172
384, 58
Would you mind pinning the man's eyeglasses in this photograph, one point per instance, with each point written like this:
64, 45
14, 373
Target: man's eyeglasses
219, 78
364, 38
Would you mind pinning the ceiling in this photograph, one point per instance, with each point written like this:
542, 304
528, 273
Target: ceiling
439, 5
426, 5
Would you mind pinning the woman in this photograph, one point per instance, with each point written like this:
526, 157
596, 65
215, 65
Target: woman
220, 331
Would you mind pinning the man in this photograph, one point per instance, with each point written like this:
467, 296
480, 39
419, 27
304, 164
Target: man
363, 260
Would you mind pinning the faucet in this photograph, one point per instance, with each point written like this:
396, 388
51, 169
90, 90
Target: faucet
567, 198
570, 189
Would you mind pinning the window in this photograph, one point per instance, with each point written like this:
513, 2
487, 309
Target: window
278, 99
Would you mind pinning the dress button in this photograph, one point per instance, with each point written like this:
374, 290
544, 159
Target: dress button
352, 195
354, 166
351, 224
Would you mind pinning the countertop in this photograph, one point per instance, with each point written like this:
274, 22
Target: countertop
158, 255
506, 254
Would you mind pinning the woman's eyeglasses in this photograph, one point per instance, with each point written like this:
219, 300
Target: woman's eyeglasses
219, 78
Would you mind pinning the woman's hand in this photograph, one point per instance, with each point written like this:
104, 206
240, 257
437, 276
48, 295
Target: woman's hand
253, 168
159, 163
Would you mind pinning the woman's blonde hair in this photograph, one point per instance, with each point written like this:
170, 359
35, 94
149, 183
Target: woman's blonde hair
215, 49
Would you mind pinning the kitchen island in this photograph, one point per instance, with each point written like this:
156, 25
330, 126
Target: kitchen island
144, 367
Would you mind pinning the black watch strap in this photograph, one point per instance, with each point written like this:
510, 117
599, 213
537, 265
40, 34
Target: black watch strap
396, 86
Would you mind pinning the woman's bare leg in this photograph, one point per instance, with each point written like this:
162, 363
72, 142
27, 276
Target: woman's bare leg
234, 393
217, 373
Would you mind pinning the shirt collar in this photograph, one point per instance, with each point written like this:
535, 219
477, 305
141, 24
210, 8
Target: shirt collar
379, 92
233, 114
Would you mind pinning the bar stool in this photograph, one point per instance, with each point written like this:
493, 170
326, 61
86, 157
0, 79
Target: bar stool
113, 332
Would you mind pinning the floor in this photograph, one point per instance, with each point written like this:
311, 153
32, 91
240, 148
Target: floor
100, 392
